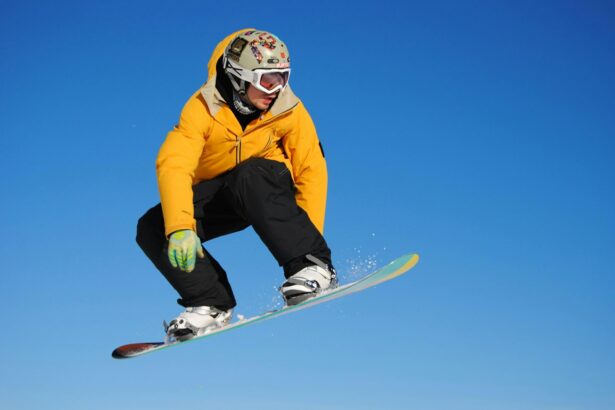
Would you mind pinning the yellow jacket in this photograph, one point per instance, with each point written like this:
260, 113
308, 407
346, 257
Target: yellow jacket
208, 141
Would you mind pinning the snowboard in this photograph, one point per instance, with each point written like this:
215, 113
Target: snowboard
388, 272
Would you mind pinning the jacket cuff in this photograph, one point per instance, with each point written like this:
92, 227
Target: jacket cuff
178, 227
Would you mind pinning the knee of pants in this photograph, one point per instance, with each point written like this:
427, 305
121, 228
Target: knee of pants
261, 165
259, 170
149, 226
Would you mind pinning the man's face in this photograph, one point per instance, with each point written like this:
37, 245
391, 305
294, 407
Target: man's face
260, 99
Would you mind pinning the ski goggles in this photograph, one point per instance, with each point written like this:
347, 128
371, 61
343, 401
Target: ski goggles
267, 80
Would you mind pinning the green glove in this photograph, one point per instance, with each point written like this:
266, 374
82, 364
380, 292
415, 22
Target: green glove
184, 245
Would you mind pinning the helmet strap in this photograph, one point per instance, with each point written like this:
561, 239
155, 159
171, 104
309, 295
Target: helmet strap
240, 88
242, 104
238, 84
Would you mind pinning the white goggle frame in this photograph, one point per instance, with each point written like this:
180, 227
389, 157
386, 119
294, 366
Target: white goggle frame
254, 77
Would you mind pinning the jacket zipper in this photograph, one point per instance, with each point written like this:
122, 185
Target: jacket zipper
238, 150
238, 137
266, 122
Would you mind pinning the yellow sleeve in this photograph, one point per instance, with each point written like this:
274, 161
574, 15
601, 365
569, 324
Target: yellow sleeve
177, 162
309, 167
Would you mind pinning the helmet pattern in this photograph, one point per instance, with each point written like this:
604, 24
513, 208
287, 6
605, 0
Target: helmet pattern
257, 49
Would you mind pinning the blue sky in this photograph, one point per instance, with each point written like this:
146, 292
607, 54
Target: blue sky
478, 134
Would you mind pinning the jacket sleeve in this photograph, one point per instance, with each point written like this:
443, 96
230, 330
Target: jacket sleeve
309, 167
177, 162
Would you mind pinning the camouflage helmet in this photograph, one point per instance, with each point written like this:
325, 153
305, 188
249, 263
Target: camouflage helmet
259, 58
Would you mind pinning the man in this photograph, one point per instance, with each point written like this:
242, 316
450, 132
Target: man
244, 153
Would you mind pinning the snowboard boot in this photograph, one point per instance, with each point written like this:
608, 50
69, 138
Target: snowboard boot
308, 282
196, 321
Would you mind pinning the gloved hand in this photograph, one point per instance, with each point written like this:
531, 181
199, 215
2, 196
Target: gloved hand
184, 245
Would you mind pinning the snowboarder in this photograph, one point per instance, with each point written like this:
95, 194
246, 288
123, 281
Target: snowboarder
244, 153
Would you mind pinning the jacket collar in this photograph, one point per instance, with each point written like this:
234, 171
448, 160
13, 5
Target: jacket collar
286, 101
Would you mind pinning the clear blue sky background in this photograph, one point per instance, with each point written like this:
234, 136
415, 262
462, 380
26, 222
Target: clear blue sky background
478, 134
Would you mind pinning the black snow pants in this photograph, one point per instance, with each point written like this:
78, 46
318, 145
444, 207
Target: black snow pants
258, 192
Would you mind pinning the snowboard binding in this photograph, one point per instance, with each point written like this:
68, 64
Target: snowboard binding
309, 282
